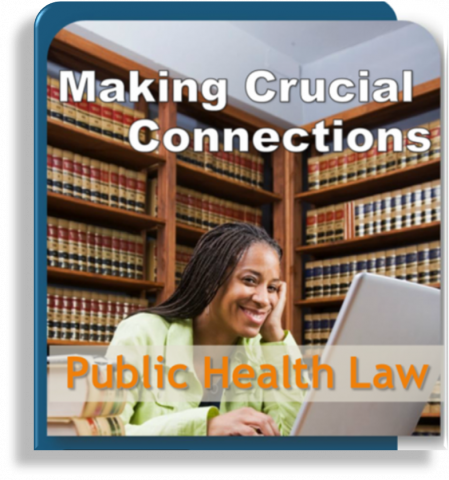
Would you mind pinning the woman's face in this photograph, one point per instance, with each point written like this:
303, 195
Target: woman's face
246, 300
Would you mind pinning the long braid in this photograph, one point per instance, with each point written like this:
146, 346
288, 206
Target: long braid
213, 261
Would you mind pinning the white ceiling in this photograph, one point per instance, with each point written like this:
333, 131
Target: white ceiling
306, 42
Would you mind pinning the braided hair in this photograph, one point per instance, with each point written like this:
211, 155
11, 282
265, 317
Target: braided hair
214, 259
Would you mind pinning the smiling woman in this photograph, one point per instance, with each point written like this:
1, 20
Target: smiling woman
230, 294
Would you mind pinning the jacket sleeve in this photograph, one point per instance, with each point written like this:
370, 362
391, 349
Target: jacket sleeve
283, 404
150, 418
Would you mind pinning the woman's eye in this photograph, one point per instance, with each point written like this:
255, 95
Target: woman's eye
249, 280
272, 289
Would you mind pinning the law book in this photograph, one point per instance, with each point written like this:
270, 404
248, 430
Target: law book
141, 189
128, 120
362, 165
313, 166
122, 182
69, 110
352, 166
95, 117
153, 197
95, 179
324, 171
371, 161
56, 109
342, 167
138, 239
82, 113
104, 183
117, 122
435, 138
107, 128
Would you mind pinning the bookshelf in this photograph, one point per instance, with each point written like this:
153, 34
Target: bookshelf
372, 115
77, 53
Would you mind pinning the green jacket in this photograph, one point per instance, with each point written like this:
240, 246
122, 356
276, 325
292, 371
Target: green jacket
161, 416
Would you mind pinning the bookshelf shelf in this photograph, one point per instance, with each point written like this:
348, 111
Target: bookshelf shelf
60, 275
391, 239
76, 209
188, 235
331, 301
68, 137
197, 178
431, 415
405, 177
76, 343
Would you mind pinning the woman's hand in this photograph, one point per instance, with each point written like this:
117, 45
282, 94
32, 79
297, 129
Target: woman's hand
242, 422
272, 330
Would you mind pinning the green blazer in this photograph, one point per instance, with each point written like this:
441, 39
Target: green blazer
160, 415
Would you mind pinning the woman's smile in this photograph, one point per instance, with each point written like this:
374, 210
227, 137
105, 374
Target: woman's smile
256, 316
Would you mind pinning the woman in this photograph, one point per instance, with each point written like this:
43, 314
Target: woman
230, 295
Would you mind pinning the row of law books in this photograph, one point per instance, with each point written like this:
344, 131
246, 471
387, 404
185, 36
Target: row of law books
83, 410
87, 179
394, 210
80, 315
317, 328
203, 211
247, 168
111, 119
335, 168
427, 431
417, 263
86, 248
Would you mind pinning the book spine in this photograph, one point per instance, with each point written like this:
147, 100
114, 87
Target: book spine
131, 187
113, 186
56, 110
122, 175
52, 242
69, 110
49, 168
67, 173
57, 170
73, 246
95, 181
94, 109
115, 254
131, 256
141, 189
82, 114
77, 176
139, 257
104, 183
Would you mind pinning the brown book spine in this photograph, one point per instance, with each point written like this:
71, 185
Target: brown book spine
141, 189
56, 110
106, 251
131, 187
107, 128
93, 324
104, 183
94, 109
82, 247
122, 174
82, 114
95, 179
57, 170
123, 252
113, 186
115, 254
49, 168
65, 316
128, 120
52, 242
63, 243
73, 242
139, 257
117, 122
51, 324
69, 110
78, 176
74, 325
131, 256
67, 173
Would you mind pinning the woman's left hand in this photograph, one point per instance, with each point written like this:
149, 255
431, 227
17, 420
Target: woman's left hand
272, 330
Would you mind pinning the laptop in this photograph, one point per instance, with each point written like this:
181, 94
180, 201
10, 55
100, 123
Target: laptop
377, 311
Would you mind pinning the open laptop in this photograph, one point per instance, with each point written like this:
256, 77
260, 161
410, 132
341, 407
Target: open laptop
377, 311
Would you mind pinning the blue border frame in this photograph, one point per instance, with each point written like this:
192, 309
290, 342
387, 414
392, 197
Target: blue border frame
48, 23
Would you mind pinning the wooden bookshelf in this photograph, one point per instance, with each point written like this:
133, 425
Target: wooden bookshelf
76, 343
102, 215
76, 53
431, 415
426, 98
101, 282
99, 147
188, 235
392, 239
336, 300
401, 178
218, 185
